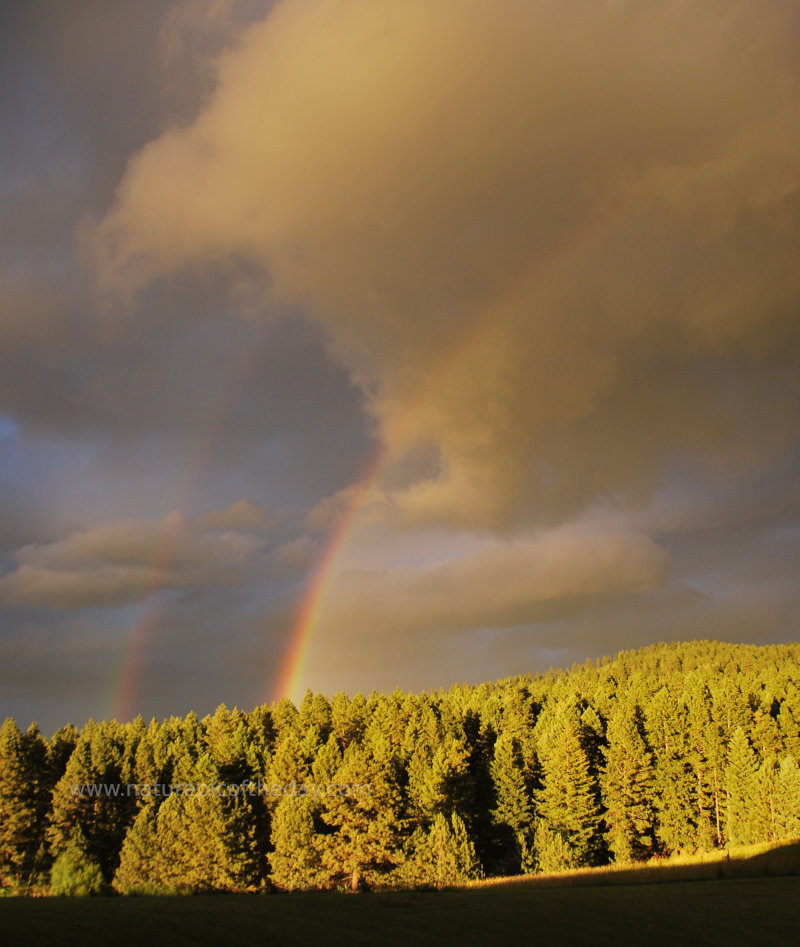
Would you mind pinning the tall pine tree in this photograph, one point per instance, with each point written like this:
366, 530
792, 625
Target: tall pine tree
362, 810
740, 784
24, 798
627, 787
567, 835
513, 810
787, 799
294, 859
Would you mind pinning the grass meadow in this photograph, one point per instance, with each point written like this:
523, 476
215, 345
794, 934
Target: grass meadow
751, 898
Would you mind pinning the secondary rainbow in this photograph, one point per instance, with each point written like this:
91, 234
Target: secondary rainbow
124, 689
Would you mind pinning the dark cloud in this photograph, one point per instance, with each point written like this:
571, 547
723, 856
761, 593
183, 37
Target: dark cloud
125, 561
529, 269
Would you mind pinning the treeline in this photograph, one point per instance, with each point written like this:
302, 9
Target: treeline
679, 747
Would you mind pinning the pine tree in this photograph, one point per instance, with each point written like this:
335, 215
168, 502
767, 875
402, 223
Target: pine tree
675, 784
289, 765
740, 783
514, 806
789, 719
787, 799
141, 867
436, 778
348, 718
443, 856
294, 860
423, 727
552, 849
94, 819
593, 738
765, 733
363, 812
24, 792
477, 766
764, 816
513, 810
59, 749
315, 711
261, 740
388, 718
326, 763
207, 844
627, 788
731, 708
567, 835
225, 738
705, 753
285, 717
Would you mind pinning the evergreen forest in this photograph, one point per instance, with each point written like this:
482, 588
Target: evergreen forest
673, 748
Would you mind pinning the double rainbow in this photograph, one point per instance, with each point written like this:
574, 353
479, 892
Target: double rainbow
291, 674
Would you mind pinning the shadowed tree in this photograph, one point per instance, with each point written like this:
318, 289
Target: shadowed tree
436, 777
59, 750
24, 800
92, 808
513, 811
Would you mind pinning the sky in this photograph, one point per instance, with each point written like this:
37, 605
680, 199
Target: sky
354, 345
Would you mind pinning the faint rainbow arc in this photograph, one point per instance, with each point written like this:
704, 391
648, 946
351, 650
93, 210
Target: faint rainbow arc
125, 685
301, 638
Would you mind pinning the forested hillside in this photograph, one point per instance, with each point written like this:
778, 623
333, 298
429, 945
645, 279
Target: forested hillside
678, 747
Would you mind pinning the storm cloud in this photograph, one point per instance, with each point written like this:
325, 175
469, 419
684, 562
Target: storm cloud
488, 308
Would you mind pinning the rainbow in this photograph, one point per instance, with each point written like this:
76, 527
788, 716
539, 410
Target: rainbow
123, 691
290, 677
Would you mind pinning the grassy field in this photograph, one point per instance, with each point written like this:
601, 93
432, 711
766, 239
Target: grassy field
765, 860
666, 908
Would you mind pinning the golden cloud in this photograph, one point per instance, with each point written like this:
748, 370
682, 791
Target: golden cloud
500, 585
556, 242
